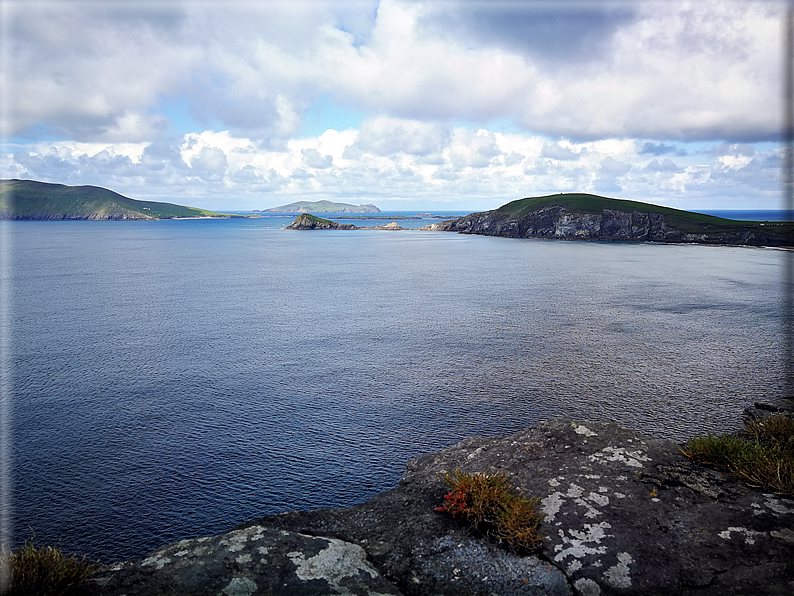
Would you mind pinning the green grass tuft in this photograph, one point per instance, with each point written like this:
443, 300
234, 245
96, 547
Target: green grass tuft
45, 572
491, 505
765, 458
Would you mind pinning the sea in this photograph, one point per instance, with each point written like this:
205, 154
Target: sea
171, 379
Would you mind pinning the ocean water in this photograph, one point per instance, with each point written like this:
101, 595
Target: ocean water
171, 379
749, 214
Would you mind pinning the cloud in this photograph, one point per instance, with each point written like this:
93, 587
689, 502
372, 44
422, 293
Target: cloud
209, 163
555, 33
666, 165
386, 136
614, 97
475, 170
590, 70
651, 148
315, 159
557, 151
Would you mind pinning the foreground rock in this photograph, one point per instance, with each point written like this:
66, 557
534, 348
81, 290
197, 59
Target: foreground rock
625, 514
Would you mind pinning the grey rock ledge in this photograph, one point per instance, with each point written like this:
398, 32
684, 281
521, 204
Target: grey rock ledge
625, 514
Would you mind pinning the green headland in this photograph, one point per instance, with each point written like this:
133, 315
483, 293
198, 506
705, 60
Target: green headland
580, 216
29, 199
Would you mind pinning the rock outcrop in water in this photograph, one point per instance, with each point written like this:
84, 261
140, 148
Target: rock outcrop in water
625, 514
306, 221
589, 217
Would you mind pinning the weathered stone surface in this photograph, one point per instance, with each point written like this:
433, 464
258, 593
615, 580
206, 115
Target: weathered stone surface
625, 514
249, 562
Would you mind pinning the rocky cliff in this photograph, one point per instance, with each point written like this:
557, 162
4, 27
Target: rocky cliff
306, 221
588, 217
625, 513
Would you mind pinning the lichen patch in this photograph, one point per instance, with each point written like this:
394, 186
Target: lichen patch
620, 455
785, 534
749, 535
240, 586
777, 505
586, 587
580, 429
337, 561
158, 561
580, 544
619, 575
599, 499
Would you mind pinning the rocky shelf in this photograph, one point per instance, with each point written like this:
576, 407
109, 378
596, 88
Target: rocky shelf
625, 513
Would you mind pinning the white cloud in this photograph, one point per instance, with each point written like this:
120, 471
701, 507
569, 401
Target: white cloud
613, 109
475, 170
387, 136
668, 70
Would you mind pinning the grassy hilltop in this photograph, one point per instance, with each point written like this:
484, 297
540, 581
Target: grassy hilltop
587, 203
591, 217
28, 199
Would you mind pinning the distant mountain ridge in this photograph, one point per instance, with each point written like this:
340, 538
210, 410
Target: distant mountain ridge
320, 207
32, 200
581, 216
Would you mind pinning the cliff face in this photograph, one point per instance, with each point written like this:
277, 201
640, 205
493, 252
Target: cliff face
625, 514
557, 221
108, 215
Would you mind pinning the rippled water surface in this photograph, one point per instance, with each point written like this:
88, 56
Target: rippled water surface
171, 379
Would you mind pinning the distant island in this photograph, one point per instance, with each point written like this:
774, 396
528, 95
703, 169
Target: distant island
579, 216
32, 200
320, 207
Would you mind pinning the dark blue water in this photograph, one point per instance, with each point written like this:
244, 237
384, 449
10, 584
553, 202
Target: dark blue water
174, 378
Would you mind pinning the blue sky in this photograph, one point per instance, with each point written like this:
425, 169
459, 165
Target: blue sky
456, 105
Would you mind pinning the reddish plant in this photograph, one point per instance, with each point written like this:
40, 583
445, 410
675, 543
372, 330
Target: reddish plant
491, 505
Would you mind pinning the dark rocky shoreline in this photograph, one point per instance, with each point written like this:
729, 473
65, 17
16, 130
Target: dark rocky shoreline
556, 221
625, 514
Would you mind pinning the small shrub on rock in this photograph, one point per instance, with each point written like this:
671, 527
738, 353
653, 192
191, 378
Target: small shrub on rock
44, 572
491, 505
764, 458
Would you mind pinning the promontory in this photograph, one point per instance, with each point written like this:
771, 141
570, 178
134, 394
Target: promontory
591, 217
29, 199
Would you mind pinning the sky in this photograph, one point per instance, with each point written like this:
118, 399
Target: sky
457, 105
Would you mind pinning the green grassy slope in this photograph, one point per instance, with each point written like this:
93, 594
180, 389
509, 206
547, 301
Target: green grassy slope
28, 199
587, 203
